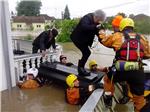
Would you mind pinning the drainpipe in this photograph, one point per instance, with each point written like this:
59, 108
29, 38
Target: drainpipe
7, 51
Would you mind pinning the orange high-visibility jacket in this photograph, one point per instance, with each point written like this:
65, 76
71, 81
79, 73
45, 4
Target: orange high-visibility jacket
30, 84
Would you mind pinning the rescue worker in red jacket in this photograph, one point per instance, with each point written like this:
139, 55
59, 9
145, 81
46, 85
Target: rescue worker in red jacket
83, 36
130, 49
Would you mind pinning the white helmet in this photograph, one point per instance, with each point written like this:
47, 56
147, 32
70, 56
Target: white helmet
33, 71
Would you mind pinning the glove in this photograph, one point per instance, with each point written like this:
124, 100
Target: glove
101, 32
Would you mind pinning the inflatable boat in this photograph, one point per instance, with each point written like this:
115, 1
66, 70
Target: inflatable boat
58, 72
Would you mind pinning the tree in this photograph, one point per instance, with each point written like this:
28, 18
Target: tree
122, 14
28, 8
66, 13
131, 16
66, 27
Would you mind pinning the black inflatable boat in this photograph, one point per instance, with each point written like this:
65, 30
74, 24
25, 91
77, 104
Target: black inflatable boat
58, 72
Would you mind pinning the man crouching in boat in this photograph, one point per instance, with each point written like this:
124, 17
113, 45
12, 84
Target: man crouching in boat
131, 48
63, 60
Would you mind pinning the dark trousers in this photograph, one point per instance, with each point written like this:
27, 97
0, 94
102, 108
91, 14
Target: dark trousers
85, 53
135, 79
34, 49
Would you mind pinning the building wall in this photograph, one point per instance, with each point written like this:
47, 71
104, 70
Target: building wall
8, 78
3, 82
19, 26
38, 26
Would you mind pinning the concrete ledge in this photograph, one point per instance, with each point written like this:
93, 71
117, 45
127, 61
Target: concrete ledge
92, 101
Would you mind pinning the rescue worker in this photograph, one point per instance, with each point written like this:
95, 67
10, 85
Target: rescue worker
44, 41
63, 60
93, 66
106, 42
30, 82
146, 108
77, 92
83, 36
130, 49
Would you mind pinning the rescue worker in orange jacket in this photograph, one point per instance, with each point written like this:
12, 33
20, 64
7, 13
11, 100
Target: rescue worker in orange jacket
77, 92
130, 49
30, 82
107, 42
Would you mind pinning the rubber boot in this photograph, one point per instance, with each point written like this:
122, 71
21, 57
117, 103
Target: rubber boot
125, 99
107, 100
81, 70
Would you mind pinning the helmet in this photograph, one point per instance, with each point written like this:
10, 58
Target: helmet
61, 57
70, 79
91, 63
33, 71
126, 22
116, 21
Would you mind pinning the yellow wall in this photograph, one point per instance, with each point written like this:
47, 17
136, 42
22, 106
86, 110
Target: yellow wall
38, 26
16, 26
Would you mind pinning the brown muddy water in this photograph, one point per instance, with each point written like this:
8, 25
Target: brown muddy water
51, 98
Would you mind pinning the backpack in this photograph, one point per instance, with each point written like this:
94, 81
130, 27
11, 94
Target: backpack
131, 49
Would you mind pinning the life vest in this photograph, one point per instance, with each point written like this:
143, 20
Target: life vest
131, 49
30, 84
73, 95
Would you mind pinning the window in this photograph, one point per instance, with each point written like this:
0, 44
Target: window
38, 26
19, 26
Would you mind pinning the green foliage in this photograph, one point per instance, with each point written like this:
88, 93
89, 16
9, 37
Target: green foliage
58, 24
67, 27
28, 8
29, 37
47, 27
66, 13
108, 23
142, 26
122, 14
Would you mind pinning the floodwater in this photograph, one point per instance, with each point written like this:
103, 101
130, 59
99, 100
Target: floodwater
44, 99
51, 98
104, 56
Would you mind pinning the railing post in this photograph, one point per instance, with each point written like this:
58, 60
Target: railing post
20, 68
27, 64
33, 62
38, 61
